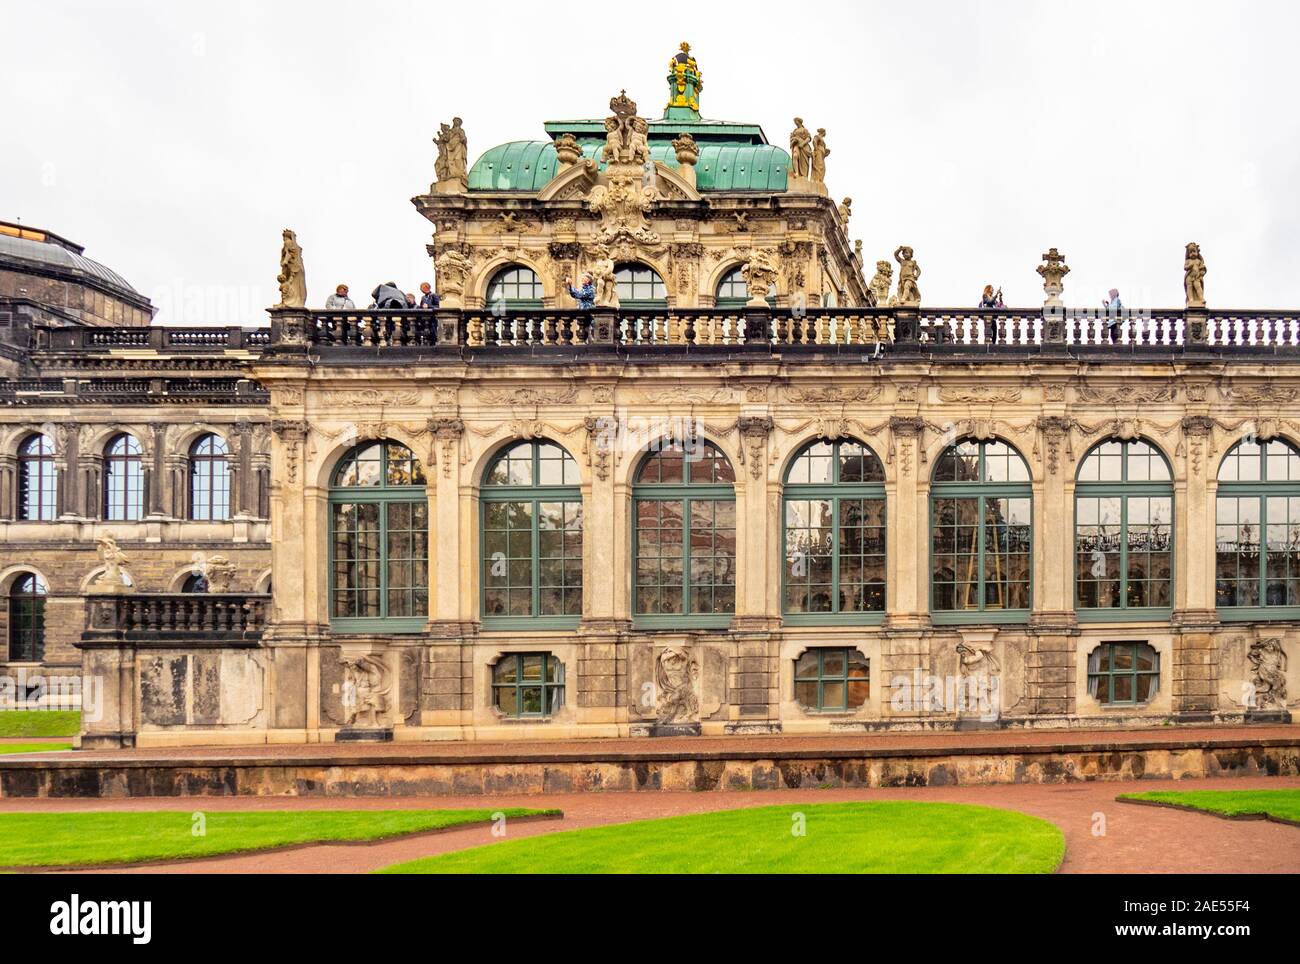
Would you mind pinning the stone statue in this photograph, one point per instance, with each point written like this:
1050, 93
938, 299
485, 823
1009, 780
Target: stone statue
114, 578
760, 273
292, 277
846, 212
603, 274
626, 188
218, 572
909, 294
1268, 663
450, 271
676, 673
1194, 276
684, 80
1053, 270
800, 150
819, 154
879, 285
452, 166
366, 686
443, 143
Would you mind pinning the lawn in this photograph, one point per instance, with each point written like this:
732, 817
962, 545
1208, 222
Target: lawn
872, 837
33, 747
80, 839
39, 722
1284, 804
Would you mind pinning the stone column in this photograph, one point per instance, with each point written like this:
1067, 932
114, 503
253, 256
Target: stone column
451, 583
752, 674
8, 487
156, 473
243, 489
1053, 626
293, 546
1195, 673
69, 441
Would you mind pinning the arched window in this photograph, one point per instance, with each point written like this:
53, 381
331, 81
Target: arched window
1123, 530
27, 619
123, 480
834, 533
209, 479
640, 286
684, 507
515, 286
195, 582
379, 540
38, 480
981, 533
532, 537
1257, 555
733, 290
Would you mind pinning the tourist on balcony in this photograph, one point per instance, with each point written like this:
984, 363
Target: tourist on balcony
428, 299
1114, 309
339, 301
991, 298
586, 295
410, 300
388, 296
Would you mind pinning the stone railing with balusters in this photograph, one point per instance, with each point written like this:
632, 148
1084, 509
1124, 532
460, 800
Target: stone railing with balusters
162, 338
934, 331
184, 619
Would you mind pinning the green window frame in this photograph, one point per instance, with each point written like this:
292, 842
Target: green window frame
684, 538
830, 679
639, 286
379, 540
527, 685
516, 286
1257, 532
1123, 533
531, 538
27, 596
981, 534
1123, 673
38, 479
834, 560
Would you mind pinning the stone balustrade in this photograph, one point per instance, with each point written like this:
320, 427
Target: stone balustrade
182, 618
933, 331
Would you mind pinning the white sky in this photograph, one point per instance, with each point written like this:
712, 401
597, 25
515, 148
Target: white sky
175, 140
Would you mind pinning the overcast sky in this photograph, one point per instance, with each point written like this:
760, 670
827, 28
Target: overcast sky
175, 140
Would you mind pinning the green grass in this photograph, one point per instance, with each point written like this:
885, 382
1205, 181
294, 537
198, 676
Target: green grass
1229, 803
39, 722
872, 837
81, 839
33, 747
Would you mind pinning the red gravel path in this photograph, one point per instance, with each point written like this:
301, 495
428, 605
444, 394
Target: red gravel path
1136, 839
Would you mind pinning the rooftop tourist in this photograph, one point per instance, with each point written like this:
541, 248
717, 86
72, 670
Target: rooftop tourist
339, 301
388, 296
586, 294
428, 299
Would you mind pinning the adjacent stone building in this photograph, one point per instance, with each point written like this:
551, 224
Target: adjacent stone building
744, 489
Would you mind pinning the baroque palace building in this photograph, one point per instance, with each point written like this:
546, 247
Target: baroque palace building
742, 489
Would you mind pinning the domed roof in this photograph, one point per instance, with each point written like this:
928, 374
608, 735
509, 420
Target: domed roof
530, 165
23, 248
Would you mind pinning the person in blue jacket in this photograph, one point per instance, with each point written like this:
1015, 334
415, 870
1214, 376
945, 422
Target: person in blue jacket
585, 295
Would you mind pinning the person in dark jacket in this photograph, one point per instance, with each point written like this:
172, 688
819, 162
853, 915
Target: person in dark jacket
388, 296
427, 298
585, 295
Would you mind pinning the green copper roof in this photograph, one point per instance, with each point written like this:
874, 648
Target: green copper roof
732, 157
